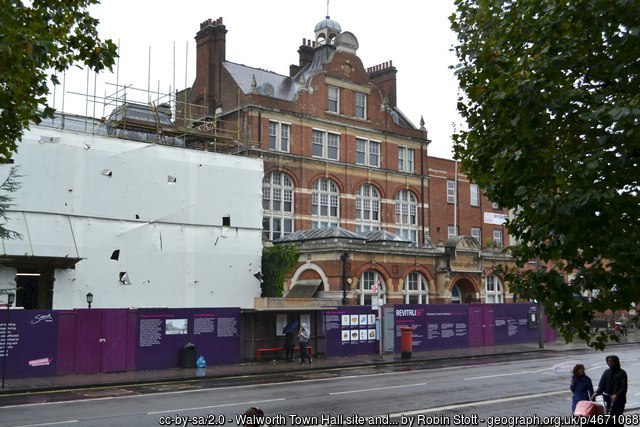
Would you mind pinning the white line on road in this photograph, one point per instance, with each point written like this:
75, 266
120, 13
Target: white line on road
478, 403
377, 389
494, 376
49, 424
214, 406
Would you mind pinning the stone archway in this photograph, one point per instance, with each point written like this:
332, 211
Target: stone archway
468, 290
310, 271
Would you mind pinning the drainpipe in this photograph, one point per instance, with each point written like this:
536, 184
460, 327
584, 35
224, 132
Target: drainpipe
344, 257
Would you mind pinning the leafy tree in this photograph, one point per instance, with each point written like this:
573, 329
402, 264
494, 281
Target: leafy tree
9, 186
277, 261
38, 40
550, 92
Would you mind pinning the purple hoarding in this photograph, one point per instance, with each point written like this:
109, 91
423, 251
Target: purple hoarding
511, 323
31, 343
351, 331
162, 333
434, 326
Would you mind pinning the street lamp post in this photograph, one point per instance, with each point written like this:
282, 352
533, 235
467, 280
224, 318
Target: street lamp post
540, 326
10, 299
344, 257
89, 299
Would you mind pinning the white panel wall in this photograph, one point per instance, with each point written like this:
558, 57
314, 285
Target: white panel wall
86, 196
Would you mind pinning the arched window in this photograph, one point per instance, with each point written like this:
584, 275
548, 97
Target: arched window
325, 204
277, 203
367, 280
367, 208
456, 295
407, 215
416, 289
494, 291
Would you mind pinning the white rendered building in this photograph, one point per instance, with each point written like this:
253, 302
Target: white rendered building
136, 224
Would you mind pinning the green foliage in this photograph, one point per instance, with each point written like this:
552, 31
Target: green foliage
9, 186
551, 97
37, 41
277, 261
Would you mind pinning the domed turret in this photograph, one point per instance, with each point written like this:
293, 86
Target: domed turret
327, 30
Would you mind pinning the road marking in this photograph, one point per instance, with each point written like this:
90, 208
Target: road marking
494, 376
377, 389
477, 403
214, 406
49, 424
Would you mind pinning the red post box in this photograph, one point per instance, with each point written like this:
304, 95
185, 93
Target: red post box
406, 338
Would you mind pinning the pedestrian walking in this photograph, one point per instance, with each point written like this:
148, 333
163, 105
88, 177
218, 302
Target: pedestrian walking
303, 341
581, 386
613, 388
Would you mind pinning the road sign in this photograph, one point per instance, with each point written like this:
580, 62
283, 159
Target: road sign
374, 289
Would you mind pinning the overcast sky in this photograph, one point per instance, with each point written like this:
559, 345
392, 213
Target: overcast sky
415, 36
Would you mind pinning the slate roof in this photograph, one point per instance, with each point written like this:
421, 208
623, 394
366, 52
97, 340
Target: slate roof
320, 234
284, 87
269, 83
383, 236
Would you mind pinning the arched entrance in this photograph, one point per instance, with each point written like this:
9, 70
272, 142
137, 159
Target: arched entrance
464, 291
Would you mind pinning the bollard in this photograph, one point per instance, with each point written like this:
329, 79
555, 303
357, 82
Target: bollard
406, 337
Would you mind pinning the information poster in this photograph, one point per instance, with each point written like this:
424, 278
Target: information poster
162, 334
511, 324
433, 326
351, 331
28, 342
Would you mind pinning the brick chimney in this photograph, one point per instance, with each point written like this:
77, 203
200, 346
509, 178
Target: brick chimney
384, 77
306, 56
210, 53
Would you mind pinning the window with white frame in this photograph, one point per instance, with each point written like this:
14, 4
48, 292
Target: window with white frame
407, 215
325, 144
367, 280
333, 99
474, 192
361, 105
416, 289
452, 231
367, 208
279, 136
277, 204
325, 204
476, 233
451, 191
493, 290
497, 238
367, 152
405, 159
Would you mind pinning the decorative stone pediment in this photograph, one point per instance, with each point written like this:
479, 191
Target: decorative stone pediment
462, 243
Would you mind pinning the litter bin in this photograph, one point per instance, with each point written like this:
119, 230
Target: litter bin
406, 341
188, 356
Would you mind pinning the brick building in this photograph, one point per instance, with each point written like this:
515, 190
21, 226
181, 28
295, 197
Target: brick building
348, 178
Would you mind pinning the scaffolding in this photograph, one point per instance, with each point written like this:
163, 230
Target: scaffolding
164, 118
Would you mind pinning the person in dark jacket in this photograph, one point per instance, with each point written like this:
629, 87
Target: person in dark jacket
289, 339
581, 386
613, 388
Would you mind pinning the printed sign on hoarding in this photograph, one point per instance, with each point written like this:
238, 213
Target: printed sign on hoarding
31, 342
163, 333
433, 326
350, 331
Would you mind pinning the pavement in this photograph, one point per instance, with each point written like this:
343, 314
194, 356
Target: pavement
270, 366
